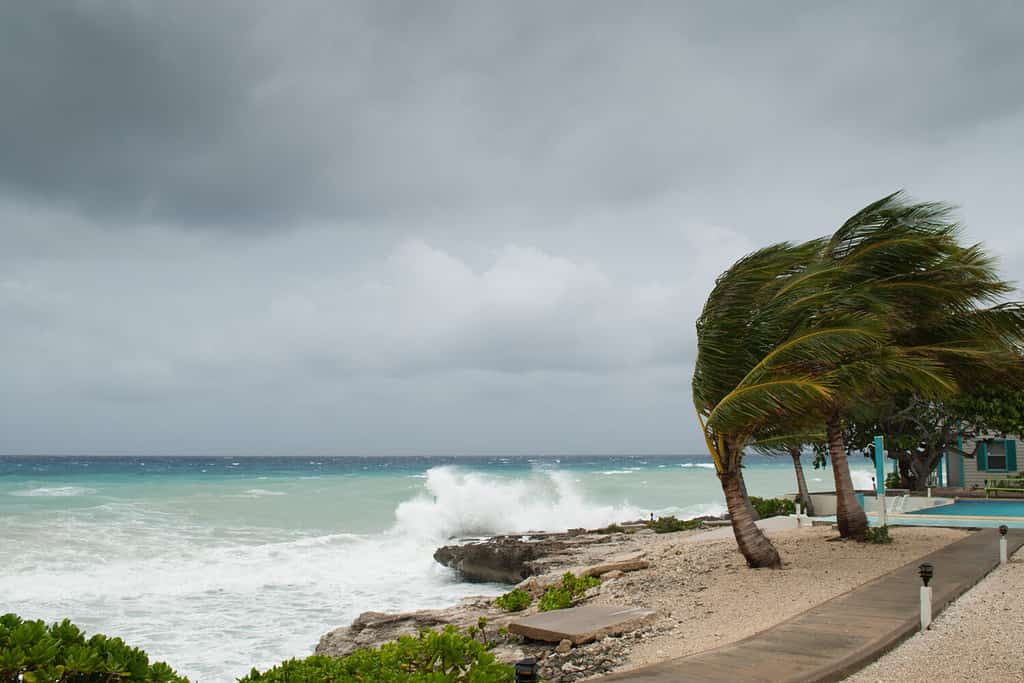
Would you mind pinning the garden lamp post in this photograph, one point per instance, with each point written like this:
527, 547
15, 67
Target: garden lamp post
1002, 543
526, 671
926, 571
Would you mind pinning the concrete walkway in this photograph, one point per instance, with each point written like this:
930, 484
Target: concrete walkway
838, 637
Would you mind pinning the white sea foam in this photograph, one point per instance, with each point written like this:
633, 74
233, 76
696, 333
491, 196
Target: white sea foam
462, 503
703, 465
55, 491
259, 493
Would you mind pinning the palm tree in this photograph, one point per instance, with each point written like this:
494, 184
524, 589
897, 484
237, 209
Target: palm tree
900, 265
754, 352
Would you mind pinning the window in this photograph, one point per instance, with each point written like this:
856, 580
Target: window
996, 462
996, 455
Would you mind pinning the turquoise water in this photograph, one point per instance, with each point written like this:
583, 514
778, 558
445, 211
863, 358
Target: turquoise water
977, 508
219, 564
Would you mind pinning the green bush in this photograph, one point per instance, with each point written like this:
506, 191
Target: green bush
893, 480
669, 524
514, 601
433, 657
612, 529
34, 653
562, 596
772, 507
878, 534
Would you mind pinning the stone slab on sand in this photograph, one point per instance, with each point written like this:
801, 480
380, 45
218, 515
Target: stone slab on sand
581, 624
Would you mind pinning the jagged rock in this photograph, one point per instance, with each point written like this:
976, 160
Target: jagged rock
613, 574
500, 560
372, 629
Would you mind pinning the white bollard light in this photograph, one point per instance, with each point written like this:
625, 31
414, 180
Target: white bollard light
926, 571
1002, 543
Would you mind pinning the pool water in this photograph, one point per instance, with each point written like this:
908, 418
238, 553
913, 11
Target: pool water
977, 508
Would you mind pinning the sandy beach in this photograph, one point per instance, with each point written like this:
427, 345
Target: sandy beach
975, 639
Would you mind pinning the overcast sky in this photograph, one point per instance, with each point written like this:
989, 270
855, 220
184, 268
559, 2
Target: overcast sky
383, 228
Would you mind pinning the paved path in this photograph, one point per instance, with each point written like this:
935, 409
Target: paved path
838, 637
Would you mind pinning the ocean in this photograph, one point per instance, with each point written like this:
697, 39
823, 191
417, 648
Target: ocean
216, 565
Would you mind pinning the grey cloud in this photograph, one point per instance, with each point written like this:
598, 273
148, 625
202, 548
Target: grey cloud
258, 114
458, 227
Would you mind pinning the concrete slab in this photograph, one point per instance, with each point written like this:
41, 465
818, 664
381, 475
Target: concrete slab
581, 624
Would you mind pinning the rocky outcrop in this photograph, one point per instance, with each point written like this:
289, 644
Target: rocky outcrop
371, 629
499, 560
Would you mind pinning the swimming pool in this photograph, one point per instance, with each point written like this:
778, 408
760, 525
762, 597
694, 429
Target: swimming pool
976, 508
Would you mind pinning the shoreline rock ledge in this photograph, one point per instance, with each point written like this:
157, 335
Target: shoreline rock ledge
499, 560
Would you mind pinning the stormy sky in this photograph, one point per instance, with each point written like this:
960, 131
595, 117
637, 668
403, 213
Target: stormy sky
385, 228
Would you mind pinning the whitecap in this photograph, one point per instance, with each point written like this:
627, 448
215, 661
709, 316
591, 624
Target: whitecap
55, 492
704, 465
259, 493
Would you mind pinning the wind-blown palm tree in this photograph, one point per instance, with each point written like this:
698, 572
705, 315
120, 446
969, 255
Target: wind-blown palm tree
751, 374
901, 265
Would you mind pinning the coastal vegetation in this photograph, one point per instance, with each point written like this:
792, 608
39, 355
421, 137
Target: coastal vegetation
562, 595
796, 339
32, 652
445, 656
670, 524
515, 600
772, 507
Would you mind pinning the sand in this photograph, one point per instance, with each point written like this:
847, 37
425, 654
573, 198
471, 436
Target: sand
706, 596
976, 639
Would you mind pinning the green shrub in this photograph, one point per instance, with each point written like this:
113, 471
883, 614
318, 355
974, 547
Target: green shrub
514, 601
878, 534
34, 653
772, 507
893, 480
562, 596
433, 657
669, 524
612, 529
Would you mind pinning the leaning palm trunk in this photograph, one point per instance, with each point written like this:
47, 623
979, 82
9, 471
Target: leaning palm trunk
853, 523
801, 481
755, 546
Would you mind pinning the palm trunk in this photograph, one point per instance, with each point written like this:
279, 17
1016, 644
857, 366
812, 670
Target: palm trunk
801, 482
746, 498
755, 546
853, 523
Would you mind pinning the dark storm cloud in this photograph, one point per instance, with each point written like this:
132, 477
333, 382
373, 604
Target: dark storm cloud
262, 114
323, 227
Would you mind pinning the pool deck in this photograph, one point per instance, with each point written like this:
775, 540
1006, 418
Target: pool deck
840, 636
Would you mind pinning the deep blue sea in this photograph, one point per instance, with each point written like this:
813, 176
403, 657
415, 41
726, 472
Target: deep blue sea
218, 564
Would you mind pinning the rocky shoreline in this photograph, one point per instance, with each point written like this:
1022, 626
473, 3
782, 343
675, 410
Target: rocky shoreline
696, 582
531, 561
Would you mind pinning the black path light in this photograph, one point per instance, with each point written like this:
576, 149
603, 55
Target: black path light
926, 571
526, 671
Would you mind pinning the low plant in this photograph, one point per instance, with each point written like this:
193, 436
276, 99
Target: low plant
669, 524
612, 529
878, 534
515, 600
32, 652
562, 595
772, 507
892, 480
446, 656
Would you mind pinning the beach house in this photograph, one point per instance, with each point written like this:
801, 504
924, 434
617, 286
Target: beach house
984, 461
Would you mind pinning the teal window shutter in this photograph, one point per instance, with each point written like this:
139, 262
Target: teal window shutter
983, 457
1011, 455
